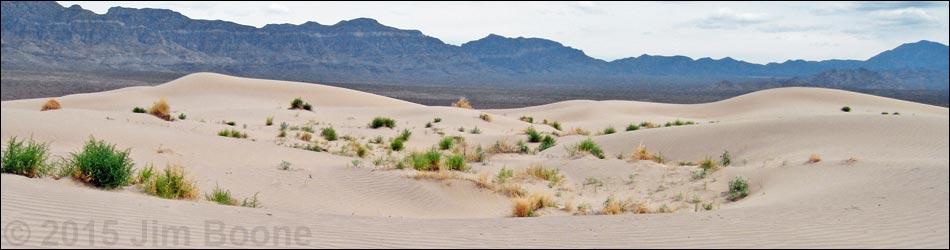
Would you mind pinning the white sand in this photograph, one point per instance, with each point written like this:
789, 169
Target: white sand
894, 195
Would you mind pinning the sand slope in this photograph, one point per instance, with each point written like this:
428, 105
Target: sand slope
893, 192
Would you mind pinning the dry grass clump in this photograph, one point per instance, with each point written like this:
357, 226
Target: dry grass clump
538, 171
436, 175
161, 110
814, 158
528, 206
614, 207
172, 184
642, 153
51, 104
485, 117
462, 103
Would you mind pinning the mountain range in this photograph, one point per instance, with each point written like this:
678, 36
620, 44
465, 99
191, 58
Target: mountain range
49, 36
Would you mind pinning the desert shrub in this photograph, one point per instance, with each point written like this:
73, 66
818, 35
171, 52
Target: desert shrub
726, 159
501, 147
708, 164
885, 113
298, 104
546, 143
632, 127
437, 120
284, 126
552, 175
144, 175
428, 125
361, 151
614, 207
376, 140
700, 174
173, 184
425, 161
504, 175
380, 122
139, 110
231, 123
26, 158
101, 165
232, 133
556, 125
462, 103
284, 166
270, 122
527, 119
222, 197
591, 147
485, 117
533, 135
814, 158
446, 143
641, 153
306, 137
846, 109
658, 158
610, 130
897, 113
476, 131
404, 135
308, 107
252, 202
528, 206
738, 189
182, 117
435, 159
648, 125
397, 145
51, 104
523, 148
308, 129
161, 110
456, 163
329, 134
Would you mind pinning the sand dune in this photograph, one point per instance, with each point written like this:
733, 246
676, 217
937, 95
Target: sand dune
883, 181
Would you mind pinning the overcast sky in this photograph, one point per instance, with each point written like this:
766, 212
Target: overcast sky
754, 32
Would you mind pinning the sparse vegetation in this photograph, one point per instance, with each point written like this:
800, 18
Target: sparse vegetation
161, 110
546, 143
556, 125
533, 135
700, 174
173, 183
614, 207
377, 140
222, 197
231, 123
527, 119
182, 117
485, 117
397, 145
404, 135
551, 175
504, 175
51, 104
641, 153
462, 103
446, 143
814, 158
101, 165
738, 189
252, 202
456, 163
476, 131
139, 110
726, 159
380, 122
846, 109
26, 158
428, 161
528, 206
269, 122
232, 133
298, 104
307, 137
632, 127
708, 164
329, 134
588, 146
284, 166
610, 130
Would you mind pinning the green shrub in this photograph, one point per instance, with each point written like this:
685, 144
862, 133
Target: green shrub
632, 127
25, 158
172, 183
446, 143
708, 164
139, 110
222, 197
504, 175
296, 104
405, 135
308, 129
435, 159
437, 120
270, 122
610, 130
231, 123
556, 125
533, 135
428, 125
420, 162
546, 143
456, 163
738, 189
308, 107
591, 147
726, 159
380, 122
397, 145
846, 109
329, 134
101, 165
144, 175
523, 148
527, 119
232, 133
182, 117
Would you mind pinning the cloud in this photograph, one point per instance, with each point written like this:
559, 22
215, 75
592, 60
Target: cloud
588, 7
726, 18
858, 7
278, 8
905, 17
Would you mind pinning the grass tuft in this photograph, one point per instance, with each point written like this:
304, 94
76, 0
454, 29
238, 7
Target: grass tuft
380, 122
25, 158
172, 184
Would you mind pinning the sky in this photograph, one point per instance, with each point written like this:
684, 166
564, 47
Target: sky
758, 32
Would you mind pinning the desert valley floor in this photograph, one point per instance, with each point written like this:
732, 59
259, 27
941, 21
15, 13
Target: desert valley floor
882, 180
